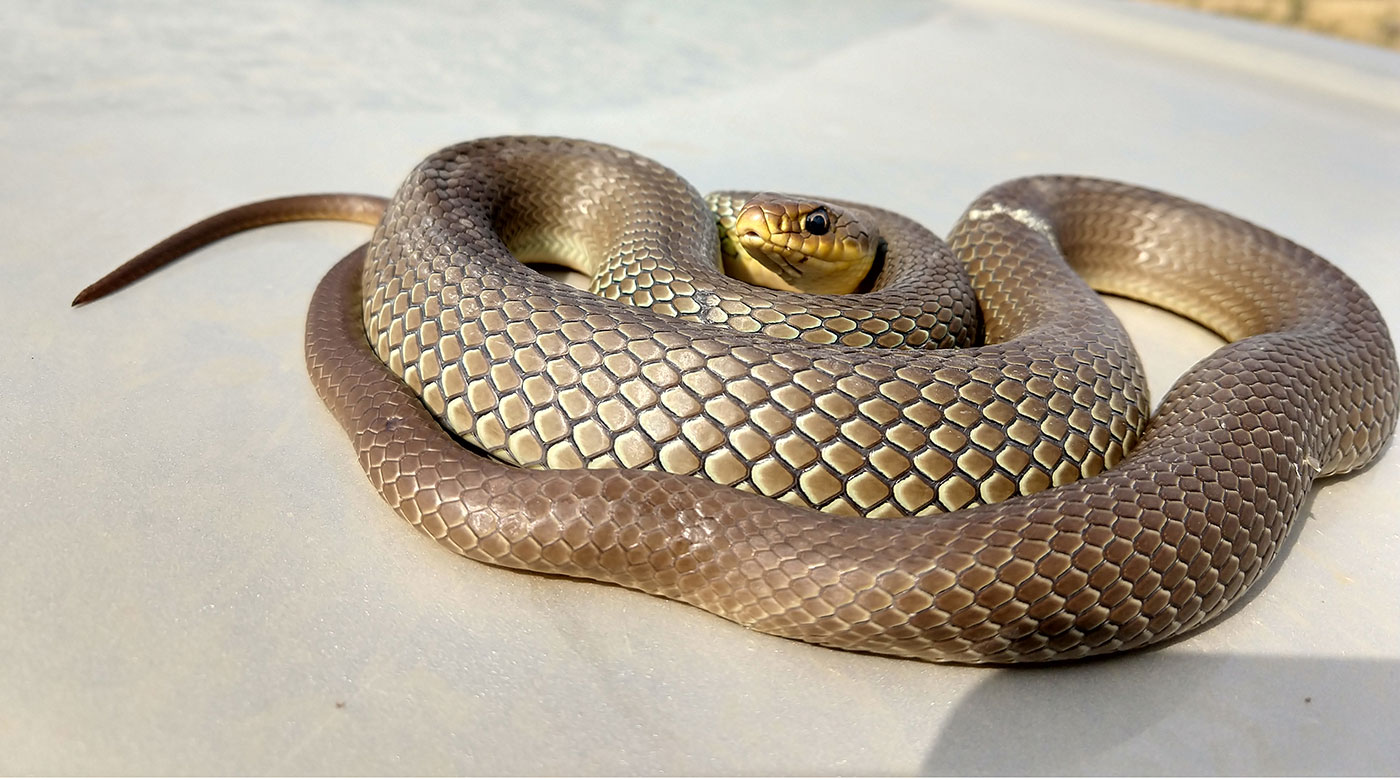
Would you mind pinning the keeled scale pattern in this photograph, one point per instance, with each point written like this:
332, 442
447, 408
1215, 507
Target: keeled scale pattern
1157, 544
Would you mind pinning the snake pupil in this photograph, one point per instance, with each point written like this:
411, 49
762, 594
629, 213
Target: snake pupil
816, 223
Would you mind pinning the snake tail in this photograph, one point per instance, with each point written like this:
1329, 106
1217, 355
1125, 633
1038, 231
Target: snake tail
339, 207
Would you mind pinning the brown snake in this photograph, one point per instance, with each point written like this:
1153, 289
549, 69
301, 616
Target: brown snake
1071, 525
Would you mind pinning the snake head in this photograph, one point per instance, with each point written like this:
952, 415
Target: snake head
816, 247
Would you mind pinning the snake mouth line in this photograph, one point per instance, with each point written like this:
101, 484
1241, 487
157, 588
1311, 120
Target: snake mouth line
771, 256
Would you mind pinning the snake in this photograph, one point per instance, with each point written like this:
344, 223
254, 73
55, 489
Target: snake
953, 462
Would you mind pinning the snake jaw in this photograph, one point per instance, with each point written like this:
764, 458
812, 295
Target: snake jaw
772, 256
815, 247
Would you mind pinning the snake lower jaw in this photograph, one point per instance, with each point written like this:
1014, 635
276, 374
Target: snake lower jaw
761, 250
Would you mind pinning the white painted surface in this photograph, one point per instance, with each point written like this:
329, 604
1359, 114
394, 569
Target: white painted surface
196, 578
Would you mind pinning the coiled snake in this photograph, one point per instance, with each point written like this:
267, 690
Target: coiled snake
1068, 523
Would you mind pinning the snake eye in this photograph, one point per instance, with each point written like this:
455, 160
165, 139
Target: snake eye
817, 223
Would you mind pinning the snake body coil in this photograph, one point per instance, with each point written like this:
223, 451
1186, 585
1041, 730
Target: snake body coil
1072, 525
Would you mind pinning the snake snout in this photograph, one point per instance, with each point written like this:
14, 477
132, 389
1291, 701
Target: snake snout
760, 247
751, 226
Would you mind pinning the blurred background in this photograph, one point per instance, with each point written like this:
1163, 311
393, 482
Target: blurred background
1372, 21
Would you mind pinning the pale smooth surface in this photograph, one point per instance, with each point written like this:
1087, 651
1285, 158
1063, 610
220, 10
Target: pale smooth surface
195, 577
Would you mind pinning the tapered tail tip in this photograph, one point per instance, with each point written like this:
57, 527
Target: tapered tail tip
86, 296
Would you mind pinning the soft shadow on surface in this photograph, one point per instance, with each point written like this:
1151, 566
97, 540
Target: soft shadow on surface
1158, 713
